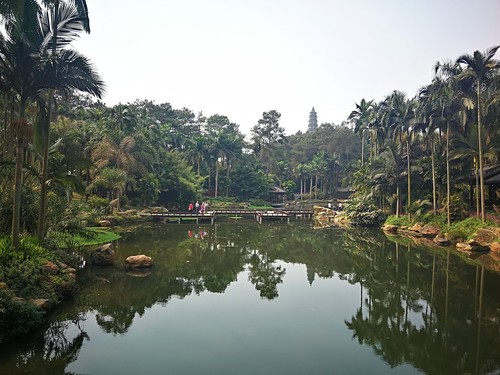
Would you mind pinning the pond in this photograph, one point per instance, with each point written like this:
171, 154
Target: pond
244, 298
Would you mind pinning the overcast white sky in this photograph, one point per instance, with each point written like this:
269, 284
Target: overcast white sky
240, 58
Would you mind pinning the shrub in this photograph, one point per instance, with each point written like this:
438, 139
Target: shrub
437, 220
401, 221
457, 206
98, 202
16, 317
258, 203
364, 213
466, 229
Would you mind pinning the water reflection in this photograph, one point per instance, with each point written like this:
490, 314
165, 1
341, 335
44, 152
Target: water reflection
425, 308
49, 353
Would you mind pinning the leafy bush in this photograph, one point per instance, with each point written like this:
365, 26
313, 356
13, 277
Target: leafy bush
16, 317
258, 203
466, 229
419, 207
401, 221
436, 220
364, 213
29, 248
21, 269
73, 221
457, 206
98, 202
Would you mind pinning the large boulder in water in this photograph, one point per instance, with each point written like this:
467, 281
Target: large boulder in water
103, 256
139, 261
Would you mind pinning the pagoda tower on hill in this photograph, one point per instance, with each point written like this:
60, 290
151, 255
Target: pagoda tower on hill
313, 121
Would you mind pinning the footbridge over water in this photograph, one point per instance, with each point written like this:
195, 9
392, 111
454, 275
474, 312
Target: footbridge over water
258, 215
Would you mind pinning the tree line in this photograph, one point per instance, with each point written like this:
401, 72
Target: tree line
58, 138
435, 143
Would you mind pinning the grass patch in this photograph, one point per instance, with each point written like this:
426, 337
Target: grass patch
466, 229
401, 221
99, 236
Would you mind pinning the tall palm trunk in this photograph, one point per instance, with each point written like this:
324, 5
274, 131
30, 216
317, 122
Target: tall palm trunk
362, 148
480, 150
448, 183
433, 166
45, 170
216, 177
316, 187
478, 203
5, 142
209, 177
16, 207
46, 139
409, 177
228, 164
397, 200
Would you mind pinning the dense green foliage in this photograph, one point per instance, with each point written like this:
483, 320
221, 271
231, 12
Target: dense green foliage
95, 236
397, 154
66, 159
21, 273
364, 213
466, 229
16, 318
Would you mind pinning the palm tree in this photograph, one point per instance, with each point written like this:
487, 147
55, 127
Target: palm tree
361, 117
393, 168
120, 155
402, 119
64, 21
232, 143
27, 68
428, 128
112, 179
196, 148
121, 119
378, 132
466, 146
481, 67
217, 147
443, 106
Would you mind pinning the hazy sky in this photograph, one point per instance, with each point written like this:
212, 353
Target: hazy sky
240, 58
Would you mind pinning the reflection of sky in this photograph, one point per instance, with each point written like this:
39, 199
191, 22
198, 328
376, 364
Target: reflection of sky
236, 332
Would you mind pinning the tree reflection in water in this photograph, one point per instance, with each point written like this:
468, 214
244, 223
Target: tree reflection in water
395, 324
422, 307
52, 351
265, 275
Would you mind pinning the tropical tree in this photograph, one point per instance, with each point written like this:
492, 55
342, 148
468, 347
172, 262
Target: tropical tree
196, 148
265, 135
113, 181
401, 122
64, 21
122, 156
481, 67
362, 117
28, 67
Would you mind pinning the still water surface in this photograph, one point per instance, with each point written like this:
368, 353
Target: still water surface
244, 298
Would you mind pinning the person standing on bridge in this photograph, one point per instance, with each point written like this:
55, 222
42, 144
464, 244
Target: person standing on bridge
190, 207
197, 206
